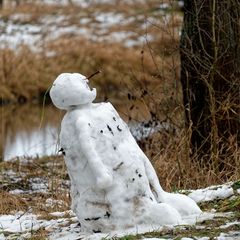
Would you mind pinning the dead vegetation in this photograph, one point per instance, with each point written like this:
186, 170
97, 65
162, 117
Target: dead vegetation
40, 186
177, 171
11, 203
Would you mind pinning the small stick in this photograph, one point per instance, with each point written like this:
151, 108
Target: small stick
92, 75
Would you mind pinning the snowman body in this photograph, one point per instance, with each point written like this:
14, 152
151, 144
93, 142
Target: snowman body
113, 184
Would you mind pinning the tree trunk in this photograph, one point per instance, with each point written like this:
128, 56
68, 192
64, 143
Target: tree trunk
70, 2
17, 2
210, 74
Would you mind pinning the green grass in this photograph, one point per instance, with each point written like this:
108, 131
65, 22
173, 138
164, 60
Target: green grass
236, 185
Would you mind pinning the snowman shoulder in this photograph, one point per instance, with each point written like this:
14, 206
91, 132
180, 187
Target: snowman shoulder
111, 108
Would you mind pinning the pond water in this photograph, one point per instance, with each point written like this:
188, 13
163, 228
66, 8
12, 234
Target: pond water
39, 142
30, 130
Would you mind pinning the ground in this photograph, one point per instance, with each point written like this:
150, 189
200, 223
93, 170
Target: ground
35, 204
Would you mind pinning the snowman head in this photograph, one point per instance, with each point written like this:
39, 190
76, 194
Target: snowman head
70, 90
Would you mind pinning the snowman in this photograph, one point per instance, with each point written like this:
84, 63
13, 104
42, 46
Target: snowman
113, 184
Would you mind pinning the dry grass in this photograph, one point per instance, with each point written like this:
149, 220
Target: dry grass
50, 170
26, 75
11, 203
177, 170
40, 234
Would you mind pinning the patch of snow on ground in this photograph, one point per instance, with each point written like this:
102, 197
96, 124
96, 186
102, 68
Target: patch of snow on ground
22, 17
229, 224
19, 223
145, 129
229, 236
212, 193
53, 202
154, 238
17, 191
27, 222
109, 19
164, 6
39, 185
13, 35
56, 2
86, 3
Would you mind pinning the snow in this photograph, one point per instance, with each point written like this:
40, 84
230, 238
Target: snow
35, 184
53, 202
56, 2
146, 129
115, 174
164, 6
229, 224
39, 185
181, 3
153, 238
85, 3
18, 223
17, 191
212, 193
229, 236
27, 222
108, 19
59, 214
16, 34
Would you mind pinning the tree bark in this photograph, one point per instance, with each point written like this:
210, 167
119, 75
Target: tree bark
210, 74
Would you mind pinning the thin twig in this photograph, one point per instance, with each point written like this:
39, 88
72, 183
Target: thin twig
92, 75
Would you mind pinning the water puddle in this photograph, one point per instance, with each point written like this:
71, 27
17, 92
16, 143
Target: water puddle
29, 131
39, 142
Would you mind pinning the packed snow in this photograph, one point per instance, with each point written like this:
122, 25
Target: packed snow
212, 193
117, 179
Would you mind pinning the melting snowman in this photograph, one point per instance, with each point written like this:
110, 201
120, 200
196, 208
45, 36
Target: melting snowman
113, 184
